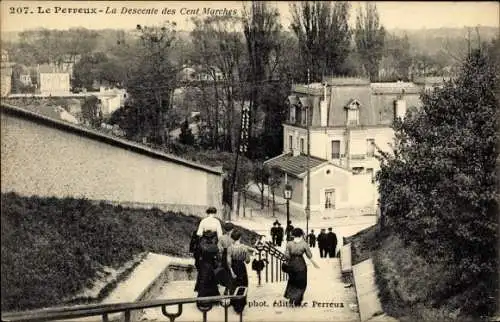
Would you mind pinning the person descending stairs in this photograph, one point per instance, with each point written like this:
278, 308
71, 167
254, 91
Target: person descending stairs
326, 298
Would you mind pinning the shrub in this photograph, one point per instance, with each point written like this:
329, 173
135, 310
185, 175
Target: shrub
53, 248
438, 189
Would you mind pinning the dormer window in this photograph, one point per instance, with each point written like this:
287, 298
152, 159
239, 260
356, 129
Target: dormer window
352, 112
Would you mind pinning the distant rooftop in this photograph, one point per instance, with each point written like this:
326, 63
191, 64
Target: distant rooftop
345, 81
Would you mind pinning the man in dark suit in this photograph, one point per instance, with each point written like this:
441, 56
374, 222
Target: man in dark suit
312, 239
279, 234
288, 231
331, 242
274, 233
322, 243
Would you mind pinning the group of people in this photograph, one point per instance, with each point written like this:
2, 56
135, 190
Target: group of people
327, 242
220, 259
277, 233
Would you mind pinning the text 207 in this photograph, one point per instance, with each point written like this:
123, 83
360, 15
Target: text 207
19, 10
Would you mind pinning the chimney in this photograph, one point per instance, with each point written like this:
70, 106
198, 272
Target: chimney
323, 107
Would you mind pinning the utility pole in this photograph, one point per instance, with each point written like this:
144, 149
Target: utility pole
308, 200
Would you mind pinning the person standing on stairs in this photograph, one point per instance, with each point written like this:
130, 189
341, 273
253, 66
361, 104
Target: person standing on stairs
288, 231
238, 255
322, 243
274, 233
224, 242
331, 242
297, 268
209, 231
312, 239
279, 234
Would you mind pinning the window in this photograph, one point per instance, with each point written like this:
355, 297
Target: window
292, 114
352, 117
336, 149
370, 147
290, 143
330, 199
303, 117
302, 149
357, 170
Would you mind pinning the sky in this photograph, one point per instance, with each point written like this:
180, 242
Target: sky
22, 15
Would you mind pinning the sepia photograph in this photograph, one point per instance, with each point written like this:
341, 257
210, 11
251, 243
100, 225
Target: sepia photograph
281, 161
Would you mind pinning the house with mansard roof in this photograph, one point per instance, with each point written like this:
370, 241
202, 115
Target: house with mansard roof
349, 119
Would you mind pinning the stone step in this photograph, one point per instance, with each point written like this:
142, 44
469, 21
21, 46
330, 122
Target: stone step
326, 299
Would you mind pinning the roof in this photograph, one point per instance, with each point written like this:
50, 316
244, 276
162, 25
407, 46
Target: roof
346, 81
104, 138
431, 80
293, 99
395, 88
50, 69
294, 165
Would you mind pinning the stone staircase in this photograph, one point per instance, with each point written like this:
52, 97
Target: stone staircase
326, 299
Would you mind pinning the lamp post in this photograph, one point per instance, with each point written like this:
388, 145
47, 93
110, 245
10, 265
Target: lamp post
288, 195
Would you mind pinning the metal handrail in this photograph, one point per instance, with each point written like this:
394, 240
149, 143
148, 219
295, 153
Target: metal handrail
277, 258
104, 310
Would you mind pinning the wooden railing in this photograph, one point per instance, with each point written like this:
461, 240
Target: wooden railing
104, 310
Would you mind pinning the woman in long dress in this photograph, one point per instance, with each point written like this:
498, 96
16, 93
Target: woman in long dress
297, 271
224, 242
209, 231
238, 255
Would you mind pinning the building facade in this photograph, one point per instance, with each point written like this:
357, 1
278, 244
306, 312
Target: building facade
349, 120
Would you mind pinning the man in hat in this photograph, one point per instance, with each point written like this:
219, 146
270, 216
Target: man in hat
331, 243
279, 234
312, 239
274, 231
322, 243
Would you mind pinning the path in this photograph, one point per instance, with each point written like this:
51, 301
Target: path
326, 297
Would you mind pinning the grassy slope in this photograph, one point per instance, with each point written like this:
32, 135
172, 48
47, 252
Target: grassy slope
53, 248
406, 281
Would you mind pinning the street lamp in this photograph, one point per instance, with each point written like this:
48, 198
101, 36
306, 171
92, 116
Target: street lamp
288, 195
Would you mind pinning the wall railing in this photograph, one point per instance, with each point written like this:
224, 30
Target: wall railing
204, 305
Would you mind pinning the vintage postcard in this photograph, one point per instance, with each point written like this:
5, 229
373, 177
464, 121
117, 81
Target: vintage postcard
249, 160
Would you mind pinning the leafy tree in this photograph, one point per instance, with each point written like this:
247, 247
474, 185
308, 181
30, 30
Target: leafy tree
57, 46
369, 37
89, 69
324, 37
91, 111
438, 190
397, 59
186, 137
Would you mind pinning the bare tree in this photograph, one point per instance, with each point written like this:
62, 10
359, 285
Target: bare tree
369, 36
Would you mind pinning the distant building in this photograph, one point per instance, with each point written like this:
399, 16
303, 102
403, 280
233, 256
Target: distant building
5, 55
6, 81
6, 74
210, 74
53, 81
